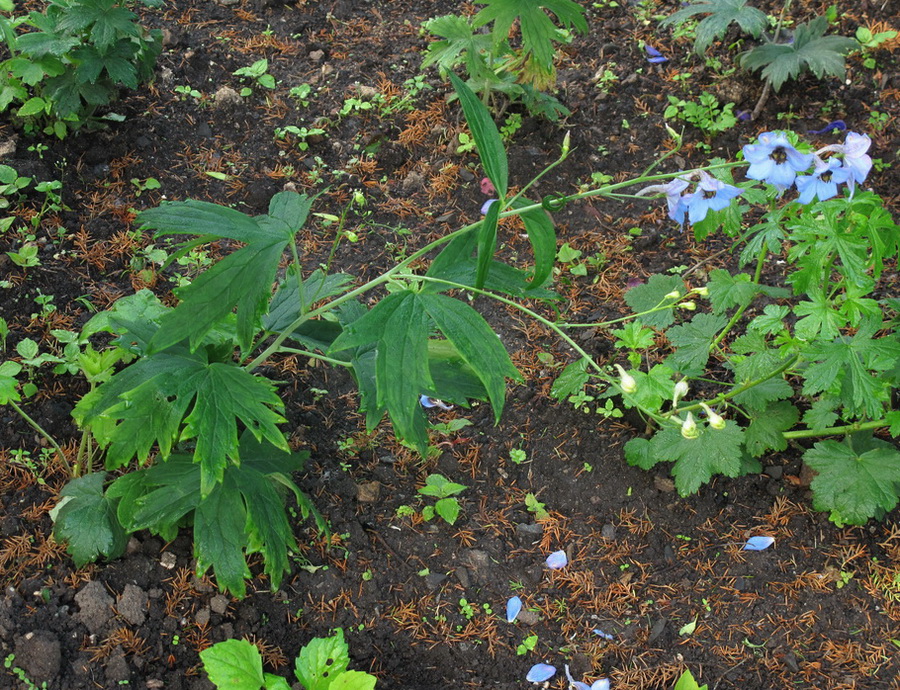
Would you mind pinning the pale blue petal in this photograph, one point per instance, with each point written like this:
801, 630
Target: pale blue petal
513, 607
557, 560
758, 543
600, 633
540, 672
602, 684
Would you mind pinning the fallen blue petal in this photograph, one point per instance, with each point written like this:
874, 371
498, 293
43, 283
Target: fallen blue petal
743, 115
758, 543
486, 205
654, 55
838, 125
513, 606
425, 401
540, 672
557, 560
600, 633
602, 684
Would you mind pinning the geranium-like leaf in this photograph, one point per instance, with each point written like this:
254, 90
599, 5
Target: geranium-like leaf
714, 451
766, 427
693, 341
653, 294
721, 15
87, 520
854, 484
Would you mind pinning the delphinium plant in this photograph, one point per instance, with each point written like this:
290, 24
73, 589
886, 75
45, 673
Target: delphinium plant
193, 425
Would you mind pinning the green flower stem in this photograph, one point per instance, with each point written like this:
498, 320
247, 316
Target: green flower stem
737, 390
740, 312
276, 344
38, 428
314, 355
662, 306
525, 310
837, 430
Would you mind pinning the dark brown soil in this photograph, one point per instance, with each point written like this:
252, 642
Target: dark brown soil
820, 609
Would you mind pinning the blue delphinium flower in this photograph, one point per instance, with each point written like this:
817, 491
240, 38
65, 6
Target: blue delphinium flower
823, 182
856, 159
711, 194
673, 190
774, 160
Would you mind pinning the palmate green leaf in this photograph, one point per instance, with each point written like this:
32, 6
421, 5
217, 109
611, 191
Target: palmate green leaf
223, 394
288, 301
811, 49
693, 341
87, 521
715, 451
727, 291
639, 453
399, 326
572, 379
821, 414
819, 319
486, 136
650, 295
233, 665
321, 660
856, 481
758, 367
243, 279
460, 43
106, 18
538, 30
852, 367
721, 15
765, 430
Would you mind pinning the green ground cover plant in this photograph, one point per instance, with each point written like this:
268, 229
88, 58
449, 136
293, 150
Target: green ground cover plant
70, 60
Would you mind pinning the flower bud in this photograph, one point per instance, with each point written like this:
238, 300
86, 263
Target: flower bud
359, 198
689, 427
689, 305
565, 145
715, 421
673, 295
626, 382
681, 390
702, 291
676, 137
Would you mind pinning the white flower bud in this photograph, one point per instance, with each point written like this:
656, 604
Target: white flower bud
702, 291
715, 421
681, 390
673, 295
689, 305
676, 137
565, 145
626, 382
689, 427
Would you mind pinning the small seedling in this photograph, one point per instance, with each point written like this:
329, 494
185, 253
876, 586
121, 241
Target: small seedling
518, 456
258, 73
142, 186
527, 645
447, 506
532, 505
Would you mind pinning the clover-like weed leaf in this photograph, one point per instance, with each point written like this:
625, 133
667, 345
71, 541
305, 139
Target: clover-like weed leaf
722, 13
233, 664
321, 661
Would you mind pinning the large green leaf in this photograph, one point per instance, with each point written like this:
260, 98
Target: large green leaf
651, 295
538, 30
321, 660
811, 49
766, 428
693, 341
87, 521
856, 480
233, 665
219, 536
487, 137
721, 15
243, 279
224, 394
476, 343
715, 451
